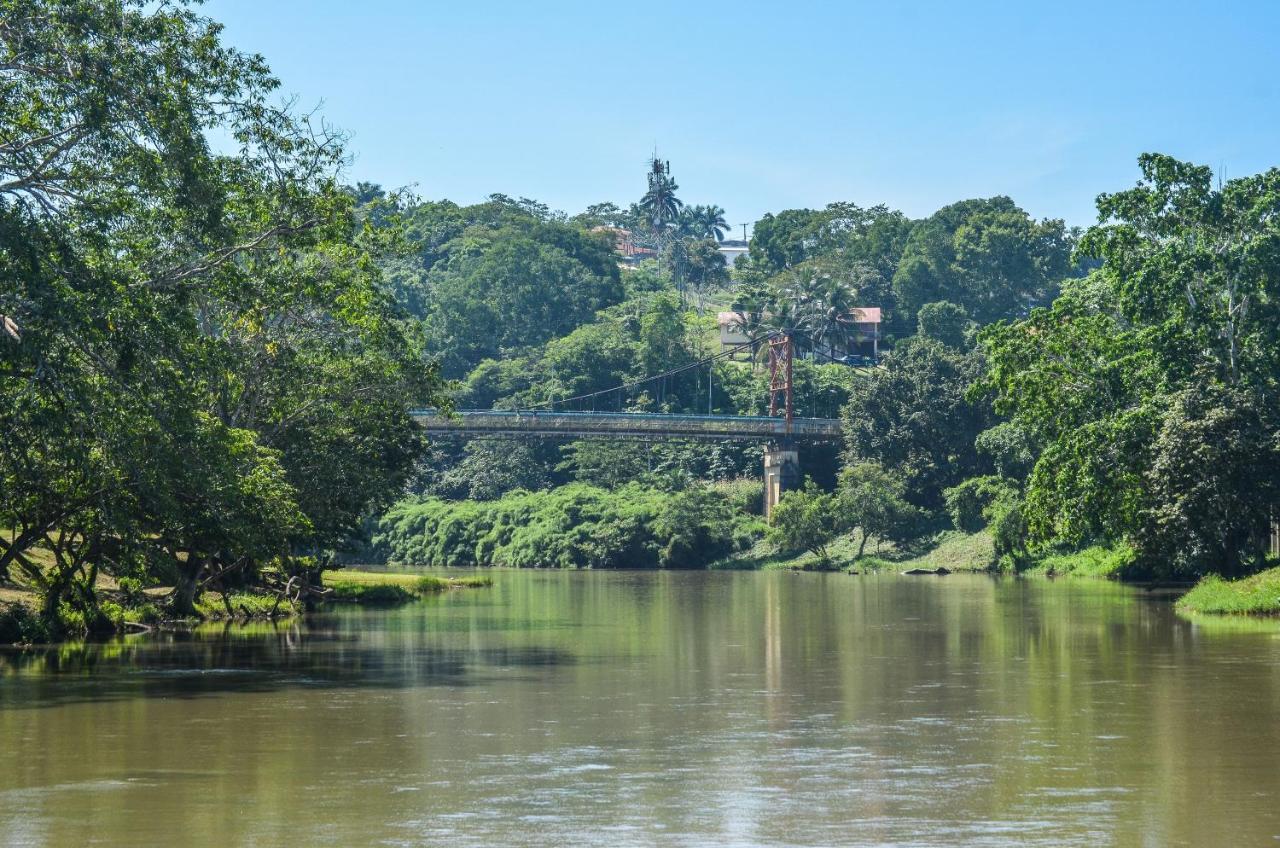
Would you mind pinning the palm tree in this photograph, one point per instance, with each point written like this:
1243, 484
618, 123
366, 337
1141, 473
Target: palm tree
711, 221
810, 303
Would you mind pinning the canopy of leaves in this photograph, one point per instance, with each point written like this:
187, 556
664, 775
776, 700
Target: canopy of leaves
1151, 383
201, 362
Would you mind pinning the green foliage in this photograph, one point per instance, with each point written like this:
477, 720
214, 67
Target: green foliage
207, 366
806, 519
987, 256
871, 500
1010, 449
373, 594
516, 286
968, 502
944, 322
1211, 485
1149, 383
744, 494
1255, 595
389, 588
131, 591
489, 469
243, 605
916, 419
574, 526
1094, 561
19, 624
992, 502
696, 526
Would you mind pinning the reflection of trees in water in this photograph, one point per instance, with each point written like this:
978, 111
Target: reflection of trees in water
258, 657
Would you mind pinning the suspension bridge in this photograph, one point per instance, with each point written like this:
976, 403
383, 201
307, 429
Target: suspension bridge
781, 431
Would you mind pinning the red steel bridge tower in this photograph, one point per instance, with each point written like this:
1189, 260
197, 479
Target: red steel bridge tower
781, 459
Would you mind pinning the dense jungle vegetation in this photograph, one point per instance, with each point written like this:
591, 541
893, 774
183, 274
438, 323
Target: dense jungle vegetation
210, 345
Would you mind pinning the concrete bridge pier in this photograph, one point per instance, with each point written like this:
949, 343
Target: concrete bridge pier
781, 473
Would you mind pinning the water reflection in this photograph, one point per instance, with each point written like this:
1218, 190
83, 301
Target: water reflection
642, 708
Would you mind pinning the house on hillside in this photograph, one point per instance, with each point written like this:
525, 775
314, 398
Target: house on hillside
624, 244
733, 332
863, 337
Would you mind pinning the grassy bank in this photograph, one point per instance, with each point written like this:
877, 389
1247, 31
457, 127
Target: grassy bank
952, 550
246, 605
1255, 595
381, 587
1097, 561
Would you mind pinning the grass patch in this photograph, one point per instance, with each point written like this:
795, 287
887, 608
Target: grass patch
1256, 595
386, 588
374, 594
243, 605
871, 565
1096, 561
954, 550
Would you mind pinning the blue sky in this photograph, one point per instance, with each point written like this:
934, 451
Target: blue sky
766, 106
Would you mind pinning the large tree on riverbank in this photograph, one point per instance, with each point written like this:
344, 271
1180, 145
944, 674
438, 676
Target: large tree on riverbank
1152, 383
199, 362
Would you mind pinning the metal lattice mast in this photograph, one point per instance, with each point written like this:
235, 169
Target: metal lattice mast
781, 358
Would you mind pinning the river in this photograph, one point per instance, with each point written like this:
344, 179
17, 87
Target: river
636, 708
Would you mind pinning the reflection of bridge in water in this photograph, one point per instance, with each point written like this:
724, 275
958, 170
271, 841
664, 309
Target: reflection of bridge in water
780, 431
628, 425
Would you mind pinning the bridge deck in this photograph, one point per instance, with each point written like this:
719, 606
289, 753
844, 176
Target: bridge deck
626, 425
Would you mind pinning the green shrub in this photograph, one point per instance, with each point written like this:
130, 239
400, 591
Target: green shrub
147, 613
574, 526
1095, 561
20, 625
743, 494
374, 594
805, 520
131, 591
872, 563
967, 502
995, 502
107, 618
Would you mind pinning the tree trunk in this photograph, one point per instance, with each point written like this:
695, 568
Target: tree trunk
862, 546
184, 593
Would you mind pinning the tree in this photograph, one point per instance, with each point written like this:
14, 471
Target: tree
915, 418
805, 520
207, 368
515, 287
705, 269
696, 526
702, 222
987, 256
1165, 355
490, 469
944, 322
871, 499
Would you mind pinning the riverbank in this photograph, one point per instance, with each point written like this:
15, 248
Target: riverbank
950, 550
123, 610
1256, 595
385, 587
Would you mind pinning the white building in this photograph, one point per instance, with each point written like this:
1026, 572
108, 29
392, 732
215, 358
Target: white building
731, 249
